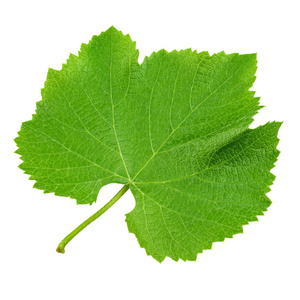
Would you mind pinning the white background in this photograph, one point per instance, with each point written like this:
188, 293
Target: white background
105, 261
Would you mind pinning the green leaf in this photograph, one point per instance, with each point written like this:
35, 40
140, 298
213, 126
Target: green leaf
174, 128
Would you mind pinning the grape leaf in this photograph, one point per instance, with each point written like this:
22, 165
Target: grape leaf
174, 129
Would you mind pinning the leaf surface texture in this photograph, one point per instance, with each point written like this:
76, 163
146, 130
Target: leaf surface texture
176, 128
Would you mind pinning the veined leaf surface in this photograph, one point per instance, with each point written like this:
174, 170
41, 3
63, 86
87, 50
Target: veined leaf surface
175, 128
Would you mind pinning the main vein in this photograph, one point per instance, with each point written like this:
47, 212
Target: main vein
113, 110
179, 125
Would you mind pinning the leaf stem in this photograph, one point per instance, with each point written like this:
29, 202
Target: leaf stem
102, 210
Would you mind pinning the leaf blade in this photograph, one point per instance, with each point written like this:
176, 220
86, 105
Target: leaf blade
175, 128
219, 214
